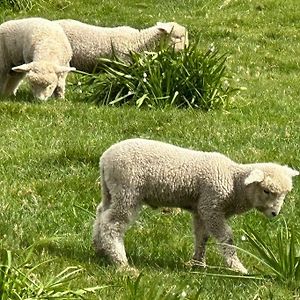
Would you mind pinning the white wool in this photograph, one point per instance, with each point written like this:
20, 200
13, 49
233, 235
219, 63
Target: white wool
89, 42
209, 185
38, 49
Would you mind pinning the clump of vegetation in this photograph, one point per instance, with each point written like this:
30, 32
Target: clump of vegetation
279, 259
19, 5
21, 282
186, 79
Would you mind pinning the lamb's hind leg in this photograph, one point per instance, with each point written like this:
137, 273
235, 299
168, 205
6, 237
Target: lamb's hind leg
101, 208
112, 222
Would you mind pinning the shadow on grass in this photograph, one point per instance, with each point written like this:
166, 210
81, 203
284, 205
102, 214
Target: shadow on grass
84, 255
170, 262
71, 156
22, 96
71, 252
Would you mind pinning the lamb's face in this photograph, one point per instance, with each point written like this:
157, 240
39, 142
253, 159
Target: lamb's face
178, 35
44, 77
41, 76
179, 40
267, 187
42, 85
268, 202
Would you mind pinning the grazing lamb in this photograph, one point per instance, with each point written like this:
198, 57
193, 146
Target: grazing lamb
209, 185
89, 42
37, 48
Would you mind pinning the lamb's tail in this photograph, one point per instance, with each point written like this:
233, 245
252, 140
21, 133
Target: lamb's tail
106, 196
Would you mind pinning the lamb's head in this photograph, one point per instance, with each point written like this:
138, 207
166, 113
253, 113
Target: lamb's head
43, 77
177, 34
267, 185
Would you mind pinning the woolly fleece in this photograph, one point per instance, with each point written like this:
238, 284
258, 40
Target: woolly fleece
90, 42
37, 48
209, 185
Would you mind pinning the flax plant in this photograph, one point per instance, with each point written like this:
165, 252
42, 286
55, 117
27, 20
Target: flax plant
186, 79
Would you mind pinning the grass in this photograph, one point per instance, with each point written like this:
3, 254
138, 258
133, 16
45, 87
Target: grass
49, 153
21, 282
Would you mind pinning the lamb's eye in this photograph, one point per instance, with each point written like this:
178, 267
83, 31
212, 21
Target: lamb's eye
177, 38
266, 191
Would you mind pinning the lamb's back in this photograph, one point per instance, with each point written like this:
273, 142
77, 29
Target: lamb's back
26, 38
161, 168
90, 42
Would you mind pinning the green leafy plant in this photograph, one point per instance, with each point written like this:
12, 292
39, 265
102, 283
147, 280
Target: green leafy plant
19, 5
188, 79
21, 282
280, 260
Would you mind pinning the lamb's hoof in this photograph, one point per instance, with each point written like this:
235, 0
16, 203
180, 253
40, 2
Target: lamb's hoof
99, 251
171, 210
239, 268
195, 263
129, 270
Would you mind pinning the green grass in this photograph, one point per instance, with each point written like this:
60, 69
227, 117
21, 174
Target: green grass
50, 151
22, 282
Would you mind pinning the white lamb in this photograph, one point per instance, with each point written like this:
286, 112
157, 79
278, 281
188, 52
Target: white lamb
209, 185
89, 42
37, 48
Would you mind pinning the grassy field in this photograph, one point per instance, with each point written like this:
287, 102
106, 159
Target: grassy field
49, 152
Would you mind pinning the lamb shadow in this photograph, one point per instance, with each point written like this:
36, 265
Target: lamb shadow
76, 156
71, 156
22, 96
75, 254
80, 254
169, 263
86, 257
160, 257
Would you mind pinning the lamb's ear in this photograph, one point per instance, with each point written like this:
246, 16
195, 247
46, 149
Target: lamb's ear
64, 69
22, 68
255, 175
166, 27
291, 172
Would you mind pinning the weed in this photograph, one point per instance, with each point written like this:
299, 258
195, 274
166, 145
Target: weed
21, 282
186, 79
280, 260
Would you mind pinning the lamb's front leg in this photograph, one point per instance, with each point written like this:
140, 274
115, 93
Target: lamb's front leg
59, 91
217, 226
201, 238
3, 82
14, 79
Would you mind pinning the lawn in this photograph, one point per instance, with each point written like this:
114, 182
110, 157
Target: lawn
50, 151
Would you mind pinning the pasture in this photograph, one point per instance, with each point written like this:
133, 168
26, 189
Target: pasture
49, 153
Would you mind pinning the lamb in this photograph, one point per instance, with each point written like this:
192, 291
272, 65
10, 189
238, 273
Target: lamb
38, 49
89, 42
208, 184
